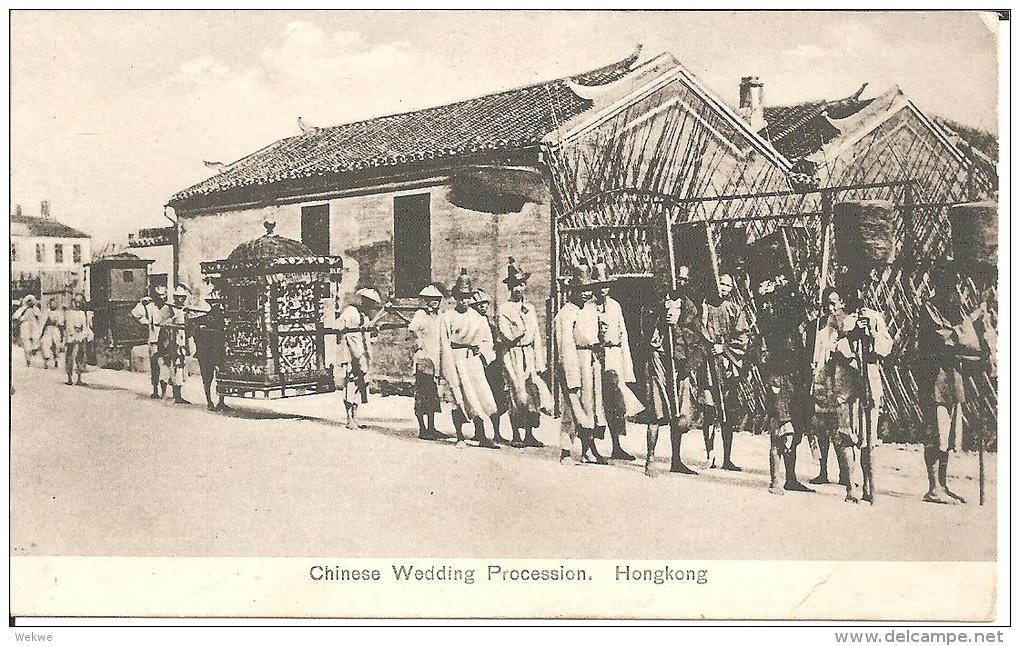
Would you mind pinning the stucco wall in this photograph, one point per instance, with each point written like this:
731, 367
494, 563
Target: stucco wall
361, 231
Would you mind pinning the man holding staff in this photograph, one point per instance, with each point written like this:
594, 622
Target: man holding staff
865, 341
828, 378
726, 332
950, 347
675, 357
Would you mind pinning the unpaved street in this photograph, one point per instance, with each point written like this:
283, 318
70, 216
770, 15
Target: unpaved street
103, 470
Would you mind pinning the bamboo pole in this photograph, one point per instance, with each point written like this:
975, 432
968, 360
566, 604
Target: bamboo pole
980, 437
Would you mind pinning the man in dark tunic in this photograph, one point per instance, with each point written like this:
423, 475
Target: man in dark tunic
789, 403
726, 333
676, 354
208, 335
827, 377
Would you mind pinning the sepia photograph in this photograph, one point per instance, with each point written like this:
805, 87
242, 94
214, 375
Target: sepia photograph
611, 314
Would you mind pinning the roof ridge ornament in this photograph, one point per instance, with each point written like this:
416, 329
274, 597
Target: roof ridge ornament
622, 67
269, 225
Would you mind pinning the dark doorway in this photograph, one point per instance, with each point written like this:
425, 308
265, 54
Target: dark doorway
315, 228
412, 244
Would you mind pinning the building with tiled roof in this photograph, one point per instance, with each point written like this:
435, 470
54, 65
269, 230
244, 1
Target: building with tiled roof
503, 122
801, 129
46, 255
408, 199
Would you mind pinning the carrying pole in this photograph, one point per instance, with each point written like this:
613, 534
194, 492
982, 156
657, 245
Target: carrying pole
981, 459
823, 276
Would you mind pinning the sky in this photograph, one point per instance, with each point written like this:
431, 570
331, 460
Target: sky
113, 112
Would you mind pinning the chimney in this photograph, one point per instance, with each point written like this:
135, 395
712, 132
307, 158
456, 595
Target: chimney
17, 210
44, 209
752, 102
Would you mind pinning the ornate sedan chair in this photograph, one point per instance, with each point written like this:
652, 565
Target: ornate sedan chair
274, 340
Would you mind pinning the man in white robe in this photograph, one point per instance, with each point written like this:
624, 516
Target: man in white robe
27, 316
51, 337
523, 361
618, 369
463, 334
576, 335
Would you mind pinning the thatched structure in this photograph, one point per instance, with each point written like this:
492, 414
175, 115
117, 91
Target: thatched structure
630, 187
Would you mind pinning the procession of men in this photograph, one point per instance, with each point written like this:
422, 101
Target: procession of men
822, 377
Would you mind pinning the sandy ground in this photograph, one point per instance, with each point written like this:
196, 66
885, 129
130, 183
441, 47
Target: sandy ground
104, 470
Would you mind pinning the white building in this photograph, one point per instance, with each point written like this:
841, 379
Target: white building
47, 256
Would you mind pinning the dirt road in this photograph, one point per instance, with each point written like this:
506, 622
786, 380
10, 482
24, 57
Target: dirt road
103, 470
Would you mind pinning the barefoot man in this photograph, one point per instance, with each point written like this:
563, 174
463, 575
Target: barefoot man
828, 375
354, 351
675, 355
789, 403
865, 341
726, 331
152, 311
950, 346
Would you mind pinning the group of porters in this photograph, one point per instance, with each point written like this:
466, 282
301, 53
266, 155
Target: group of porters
822, 376
53, 332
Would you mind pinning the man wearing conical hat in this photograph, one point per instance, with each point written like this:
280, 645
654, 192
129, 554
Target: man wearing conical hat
524, 360
726, 335
353, 350
152, 311
175, 345
617, 365
424, 329
492, 351
463, 333
576, 337
27, 318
